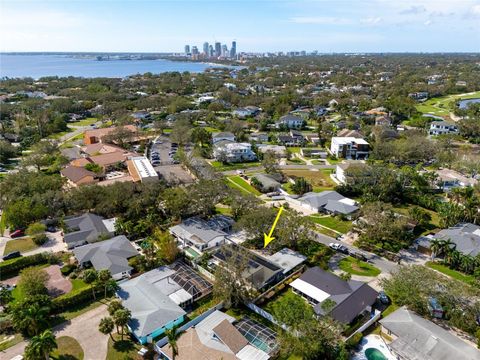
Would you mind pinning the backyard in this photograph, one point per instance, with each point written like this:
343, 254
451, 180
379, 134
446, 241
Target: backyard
468, 279
123, 349
219, 166
320, 179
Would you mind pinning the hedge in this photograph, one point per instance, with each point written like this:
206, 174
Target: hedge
12, 267
73, 299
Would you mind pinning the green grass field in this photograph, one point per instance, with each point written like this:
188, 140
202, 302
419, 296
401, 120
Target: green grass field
320, 180
468, 279
122, 349
23, 245
239, 183
217, 165
358, 267
68, 348
84, 122
441, 106
333, 223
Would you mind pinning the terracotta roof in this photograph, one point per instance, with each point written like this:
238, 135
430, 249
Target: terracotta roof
75, 174
103, 159
230, 336
100, 148
99, 133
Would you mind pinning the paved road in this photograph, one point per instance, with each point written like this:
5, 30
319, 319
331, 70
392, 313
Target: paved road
83, 328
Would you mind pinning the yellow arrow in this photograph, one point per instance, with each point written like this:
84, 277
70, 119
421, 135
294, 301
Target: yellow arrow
268, 238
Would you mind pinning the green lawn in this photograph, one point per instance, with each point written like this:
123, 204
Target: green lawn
333, 223
79, 310
358, 267
7, 341
468, 279
219, 166
441, 106
320, 180
327, 232
23, 245
78, 284
58, 135
84, 122
223, 210
240, 183
68, 349
296, 161
279, 298
123, 349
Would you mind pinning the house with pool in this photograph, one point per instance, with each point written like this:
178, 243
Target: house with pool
160, 299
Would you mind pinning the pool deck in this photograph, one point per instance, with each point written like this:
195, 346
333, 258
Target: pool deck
372, 341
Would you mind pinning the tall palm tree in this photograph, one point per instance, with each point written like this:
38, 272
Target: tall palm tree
35, 318
435, 247
172, 336
41, 346
106, 327
121, 318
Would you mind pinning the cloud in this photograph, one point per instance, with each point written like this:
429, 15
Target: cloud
418, 9
476, 9
322, 20
371, 20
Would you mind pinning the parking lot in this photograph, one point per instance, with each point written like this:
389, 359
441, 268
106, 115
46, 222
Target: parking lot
162, 157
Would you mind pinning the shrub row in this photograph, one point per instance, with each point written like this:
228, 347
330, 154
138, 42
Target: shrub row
12, 267
72, 299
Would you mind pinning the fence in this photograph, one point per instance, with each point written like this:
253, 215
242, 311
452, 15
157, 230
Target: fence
163, 341
205, 272
367, 324
266, 315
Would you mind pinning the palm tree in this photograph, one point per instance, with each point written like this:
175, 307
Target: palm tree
34, 318
467, 264
90, 276
172, 336
106, 327
436, 247
121, 318
41, 346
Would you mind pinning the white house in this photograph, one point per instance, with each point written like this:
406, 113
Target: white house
349, 148
290, 121
442, 128
233, 152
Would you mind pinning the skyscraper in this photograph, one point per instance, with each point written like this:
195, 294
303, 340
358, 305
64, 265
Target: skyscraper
205, 48
233, 50
210, 50
224, 50
218, 49
187, 49
194, 50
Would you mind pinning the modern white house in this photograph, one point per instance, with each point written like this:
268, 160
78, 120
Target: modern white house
290, 121
442, 128
141, 169
329, 202
349, 148
228, 151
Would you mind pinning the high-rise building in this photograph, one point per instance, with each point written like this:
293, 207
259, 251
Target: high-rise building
194, 50
233, 50
218, 49
205, 48
187, 49
224, 50
210, 50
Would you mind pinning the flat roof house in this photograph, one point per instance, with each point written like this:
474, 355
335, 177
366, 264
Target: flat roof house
111, 255
350, 298
465, 236
202, 234
442, 128
221, 337
158, 297
349, 148
141, 169
414, 337
86, 228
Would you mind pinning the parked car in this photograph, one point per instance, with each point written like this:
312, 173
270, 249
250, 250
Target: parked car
12, 255
17, 233
383, 298
339, 247
358, 255
51, 229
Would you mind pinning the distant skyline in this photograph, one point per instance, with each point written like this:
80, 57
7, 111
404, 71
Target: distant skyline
257, 26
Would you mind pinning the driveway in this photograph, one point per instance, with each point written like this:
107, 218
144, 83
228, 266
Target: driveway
83, 328
54, 244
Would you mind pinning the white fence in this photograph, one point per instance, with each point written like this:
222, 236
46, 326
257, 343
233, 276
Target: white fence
372, 320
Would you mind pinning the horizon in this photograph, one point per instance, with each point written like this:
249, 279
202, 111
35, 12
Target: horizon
326, 26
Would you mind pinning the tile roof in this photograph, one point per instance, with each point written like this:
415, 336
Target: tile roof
230, 336
75, 174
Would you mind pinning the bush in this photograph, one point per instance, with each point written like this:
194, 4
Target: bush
35, 229
12, 267
67, 269
354, 340
40, 239
72, 299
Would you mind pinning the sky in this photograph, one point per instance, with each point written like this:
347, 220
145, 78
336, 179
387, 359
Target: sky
257, 25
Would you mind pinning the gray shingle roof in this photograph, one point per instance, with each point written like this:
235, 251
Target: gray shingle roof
466, 237
421, 339
351, 297
84, 229
112, 254
198, 230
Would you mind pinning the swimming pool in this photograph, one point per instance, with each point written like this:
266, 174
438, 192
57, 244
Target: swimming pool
373, 348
